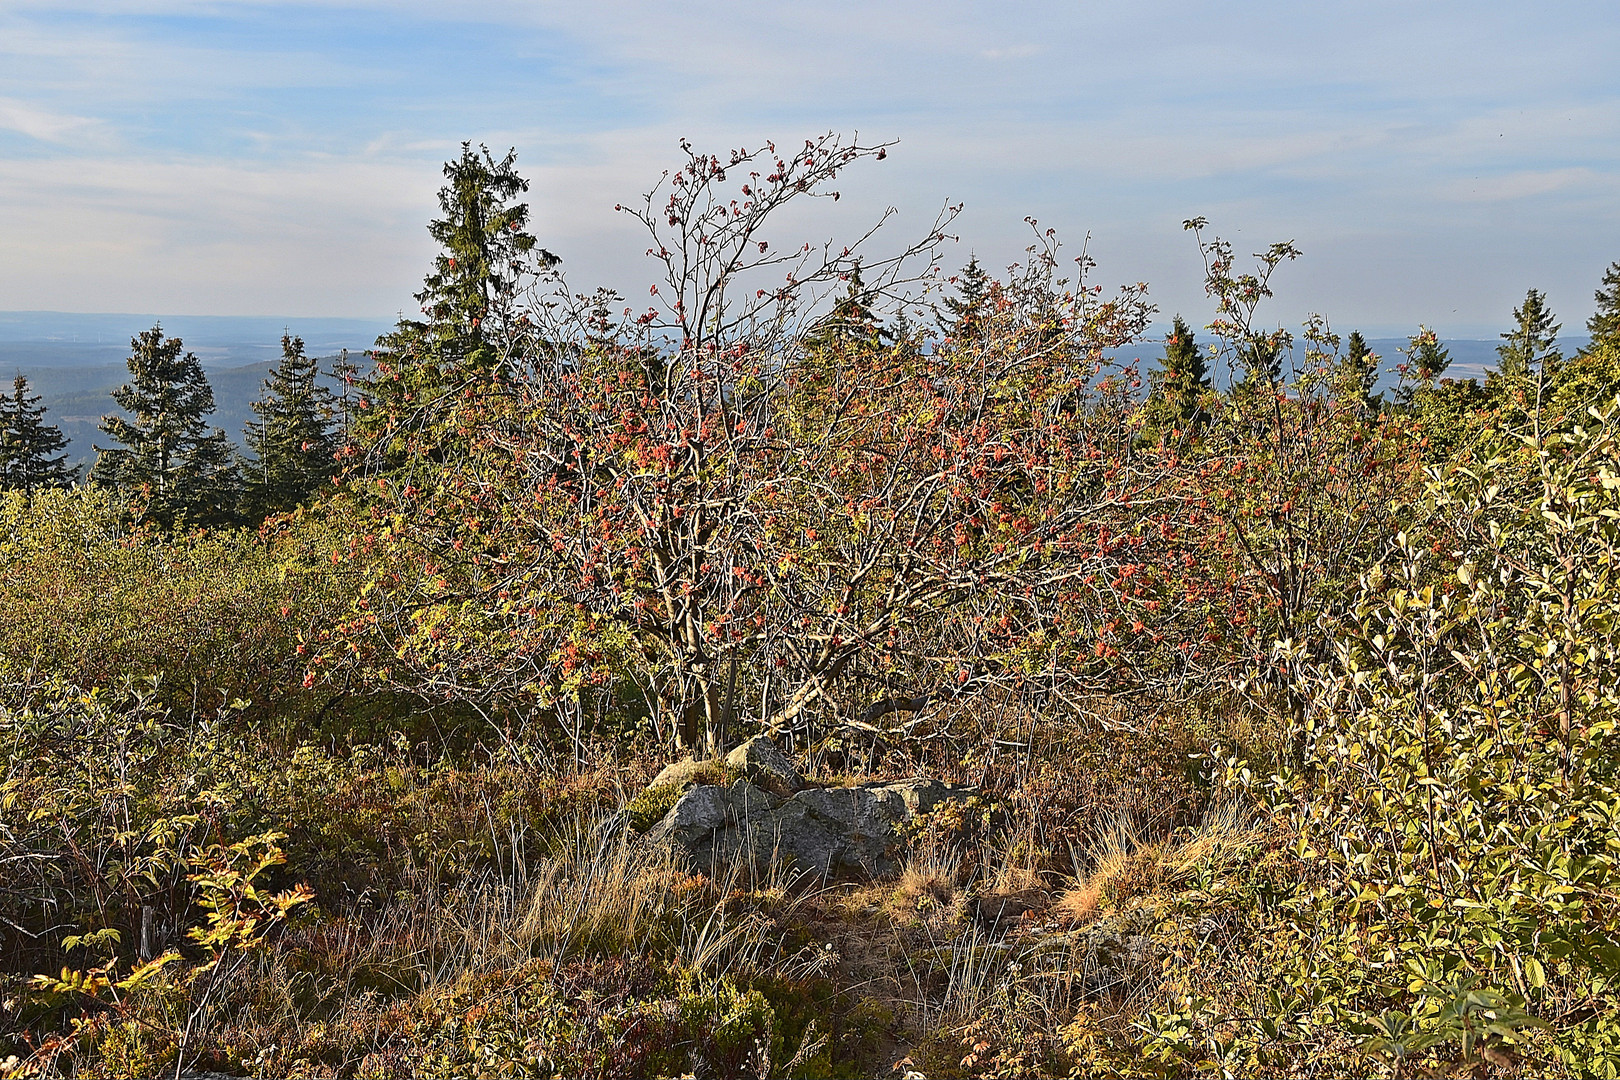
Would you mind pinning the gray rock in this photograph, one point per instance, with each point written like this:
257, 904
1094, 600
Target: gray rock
685, 773
700, 810
760, 761
822, 831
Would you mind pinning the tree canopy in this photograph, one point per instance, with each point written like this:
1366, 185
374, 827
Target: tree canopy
177, 468
30, 449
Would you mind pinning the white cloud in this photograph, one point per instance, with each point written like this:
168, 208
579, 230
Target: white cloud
312, 237
43, 124
1012, 52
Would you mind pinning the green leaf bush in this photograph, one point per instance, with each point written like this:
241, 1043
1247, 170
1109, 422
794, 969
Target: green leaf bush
1453, 824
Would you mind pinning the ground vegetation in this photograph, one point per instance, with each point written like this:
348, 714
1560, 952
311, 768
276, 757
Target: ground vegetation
1284, 707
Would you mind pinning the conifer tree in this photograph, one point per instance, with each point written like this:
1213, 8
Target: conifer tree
1186, 376
470, 326
967, 307
1604, 325
1426, 360
1361, 364
486, 254
177, 468
293, 441
1592, 376
1174, 405
852, 320
30, 449
1530, 345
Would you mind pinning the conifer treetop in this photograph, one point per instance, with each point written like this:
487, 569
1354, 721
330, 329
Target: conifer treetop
175, 465
31, 455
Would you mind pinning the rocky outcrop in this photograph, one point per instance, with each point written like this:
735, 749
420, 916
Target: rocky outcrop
759, 761
683, 774
768, 816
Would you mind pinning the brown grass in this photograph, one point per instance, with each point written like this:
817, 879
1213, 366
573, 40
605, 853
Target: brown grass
1126, 864
928, 893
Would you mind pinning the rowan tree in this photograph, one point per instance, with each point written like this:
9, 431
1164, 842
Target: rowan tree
1292, 490
690, 502
549, 524
30, 449
961, 521
173, 466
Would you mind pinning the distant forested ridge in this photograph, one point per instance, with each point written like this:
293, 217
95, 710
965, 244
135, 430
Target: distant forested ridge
67, 358
74, 360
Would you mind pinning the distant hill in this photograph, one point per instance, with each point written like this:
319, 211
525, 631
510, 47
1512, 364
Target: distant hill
227, 340
74, 361
78, 397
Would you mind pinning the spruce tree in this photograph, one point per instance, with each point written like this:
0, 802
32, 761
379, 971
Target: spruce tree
293, 441
1604, 325
1186, 376
967, 307
1592, 377
1530, 345
30, 449
177, 468
1361, 364
1428, 358
486, 254
469, 326
1174, 405
852, 320
1426, 361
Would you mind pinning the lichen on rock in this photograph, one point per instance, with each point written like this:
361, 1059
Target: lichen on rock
828, 832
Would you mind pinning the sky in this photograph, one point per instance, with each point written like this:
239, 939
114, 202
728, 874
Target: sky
1432, 160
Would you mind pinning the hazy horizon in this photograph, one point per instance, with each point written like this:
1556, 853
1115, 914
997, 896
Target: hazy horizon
74, 377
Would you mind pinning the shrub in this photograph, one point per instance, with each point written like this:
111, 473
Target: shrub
1457, 898
216, 615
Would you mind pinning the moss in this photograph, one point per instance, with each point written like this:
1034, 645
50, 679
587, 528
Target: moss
648, 808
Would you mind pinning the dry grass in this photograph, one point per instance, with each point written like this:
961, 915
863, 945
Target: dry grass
929, 894
1080, 905
1125, 863
595, 896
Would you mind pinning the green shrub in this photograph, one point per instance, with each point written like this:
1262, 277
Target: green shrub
218, 616
1457, 900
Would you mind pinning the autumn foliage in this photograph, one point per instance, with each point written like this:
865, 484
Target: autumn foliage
1286, 699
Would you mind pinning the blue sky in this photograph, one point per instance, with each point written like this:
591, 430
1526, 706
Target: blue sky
1432, 159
